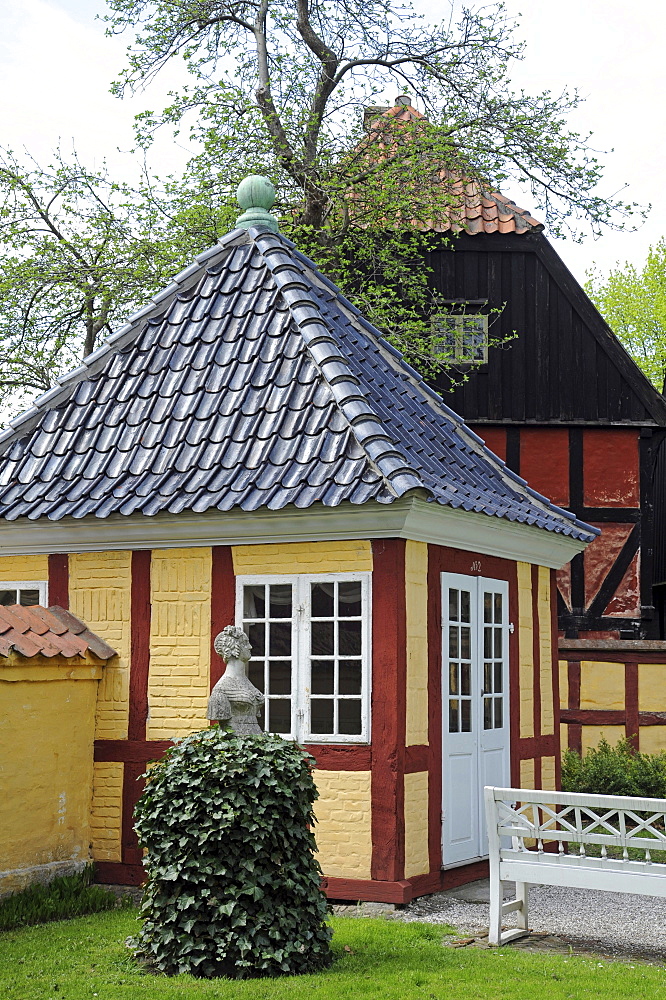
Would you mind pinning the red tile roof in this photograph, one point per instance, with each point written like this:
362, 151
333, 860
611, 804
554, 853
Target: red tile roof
473, 208
52, 631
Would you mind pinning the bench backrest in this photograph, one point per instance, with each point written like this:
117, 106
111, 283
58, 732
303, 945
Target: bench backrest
535, 818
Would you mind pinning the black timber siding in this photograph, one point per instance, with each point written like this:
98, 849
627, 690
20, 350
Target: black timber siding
563, 366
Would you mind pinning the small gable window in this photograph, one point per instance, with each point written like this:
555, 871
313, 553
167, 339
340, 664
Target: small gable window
310, 638
460, 331
24, 592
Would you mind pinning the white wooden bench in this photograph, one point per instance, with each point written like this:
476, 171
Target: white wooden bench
529, 820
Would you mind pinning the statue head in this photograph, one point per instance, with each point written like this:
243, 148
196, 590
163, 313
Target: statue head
233, 644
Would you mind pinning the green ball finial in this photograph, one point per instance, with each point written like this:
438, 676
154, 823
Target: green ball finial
256, 195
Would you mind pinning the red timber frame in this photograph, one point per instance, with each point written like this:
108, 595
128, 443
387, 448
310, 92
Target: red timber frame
564, 464
629, 653
387, 758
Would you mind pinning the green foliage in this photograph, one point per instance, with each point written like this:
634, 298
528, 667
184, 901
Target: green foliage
62, 897
233, 885
283, 85
633, 303
618, 770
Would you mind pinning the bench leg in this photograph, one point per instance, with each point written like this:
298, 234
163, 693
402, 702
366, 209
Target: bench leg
496, 897
522, 895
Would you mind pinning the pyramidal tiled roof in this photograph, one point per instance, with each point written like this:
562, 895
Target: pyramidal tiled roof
250, 382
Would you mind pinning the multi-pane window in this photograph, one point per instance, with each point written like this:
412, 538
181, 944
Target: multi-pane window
463, 338
24, 592
460, 661
310, 653
493, 660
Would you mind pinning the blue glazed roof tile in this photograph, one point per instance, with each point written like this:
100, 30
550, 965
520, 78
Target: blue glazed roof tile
250, 382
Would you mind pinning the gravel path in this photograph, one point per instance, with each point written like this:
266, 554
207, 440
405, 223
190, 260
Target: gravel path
612, 922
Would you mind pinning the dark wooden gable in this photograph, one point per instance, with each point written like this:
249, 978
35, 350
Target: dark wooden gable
564, 364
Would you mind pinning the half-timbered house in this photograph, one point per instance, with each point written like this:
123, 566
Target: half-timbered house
249, 449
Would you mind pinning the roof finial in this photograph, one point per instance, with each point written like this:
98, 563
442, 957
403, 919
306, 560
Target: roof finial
256, 194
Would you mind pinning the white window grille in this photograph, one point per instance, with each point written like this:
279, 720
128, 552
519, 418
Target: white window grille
310, 638
27, 593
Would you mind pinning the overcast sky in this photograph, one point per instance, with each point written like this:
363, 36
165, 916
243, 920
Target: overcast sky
56, 66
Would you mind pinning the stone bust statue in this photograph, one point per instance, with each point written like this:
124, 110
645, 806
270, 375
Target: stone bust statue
235, 701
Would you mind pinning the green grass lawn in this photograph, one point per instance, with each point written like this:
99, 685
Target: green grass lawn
86, 958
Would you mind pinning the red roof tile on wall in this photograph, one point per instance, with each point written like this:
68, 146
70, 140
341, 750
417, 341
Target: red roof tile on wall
37, 631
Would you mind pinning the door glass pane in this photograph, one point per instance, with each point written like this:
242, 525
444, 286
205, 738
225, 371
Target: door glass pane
498, 643
487, 713
498, 713
322, 715
453, 717
349, 713
465, 643
453, 678
349, 681
453, 604
465, 606
487, 642
323, 672
498, 608
487, 678
454, 648
349, 599
487, 607
322, 599
498, 678
465, 687
466, 716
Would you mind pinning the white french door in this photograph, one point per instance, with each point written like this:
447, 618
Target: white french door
475, 708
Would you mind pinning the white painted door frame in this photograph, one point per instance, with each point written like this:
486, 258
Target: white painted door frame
475, 708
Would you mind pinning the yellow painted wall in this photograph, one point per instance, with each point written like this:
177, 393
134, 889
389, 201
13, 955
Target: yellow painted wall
99, 594
46, 763
564, 683
303, 557
592, 734
652, 739
652, 687
546, 653
601, 685
24, 568
416, 611
417, 859
106, 811
527, 774
343, 830
548, 772
525, 648
179, 679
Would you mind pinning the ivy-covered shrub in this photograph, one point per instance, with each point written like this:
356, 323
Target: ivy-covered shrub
618, 770
233, 884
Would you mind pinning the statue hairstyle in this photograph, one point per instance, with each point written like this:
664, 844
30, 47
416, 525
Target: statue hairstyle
232, 643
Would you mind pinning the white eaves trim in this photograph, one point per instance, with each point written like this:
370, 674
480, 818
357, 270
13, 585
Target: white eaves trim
409, 517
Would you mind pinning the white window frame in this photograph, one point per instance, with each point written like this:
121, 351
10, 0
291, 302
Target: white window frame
18, 585
300, 677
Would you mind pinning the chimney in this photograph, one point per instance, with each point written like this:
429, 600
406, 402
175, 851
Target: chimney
403, 100
371, 113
